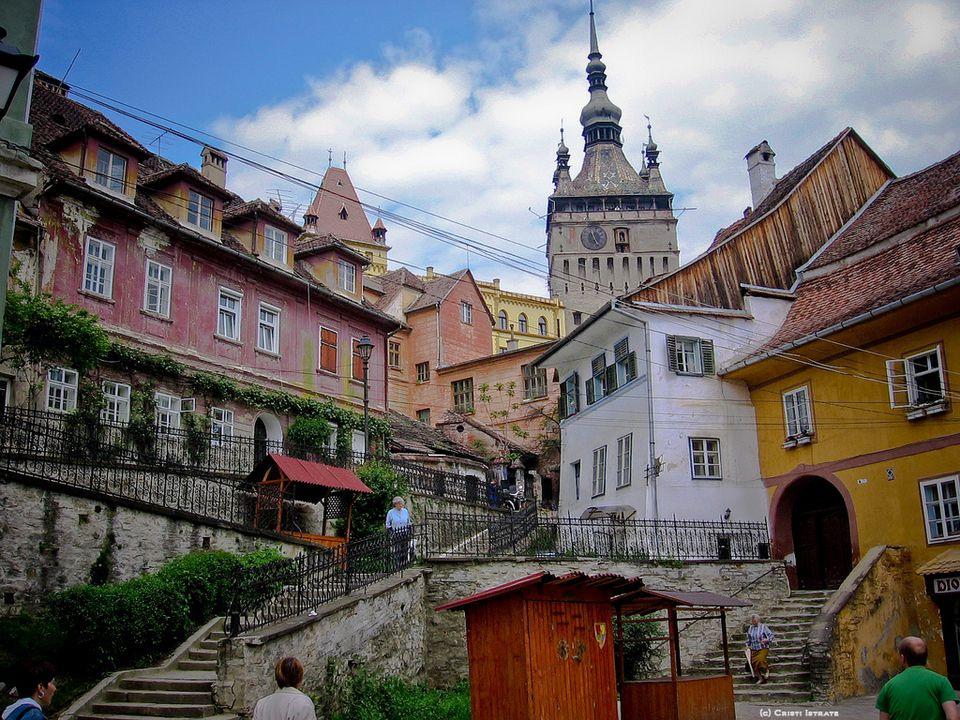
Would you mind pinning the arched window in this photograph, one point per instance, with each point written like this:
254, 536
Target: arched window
622, 239
522, 323
542, 325
502, 320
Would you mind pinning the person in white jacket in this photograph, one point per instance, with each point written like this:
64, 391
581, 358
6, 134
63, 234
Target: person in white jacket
287, 703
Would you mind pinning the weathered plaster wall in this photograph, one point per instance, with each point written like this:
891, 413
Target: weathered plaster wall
381, 629
853, 642
445, 641
49, 540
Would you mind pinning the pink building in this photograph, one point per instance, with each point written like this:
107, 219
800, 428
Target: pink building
173, 262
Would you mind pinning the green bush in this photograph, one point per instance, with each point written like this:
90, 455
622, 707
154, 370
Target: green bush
366, 697
308, 435
370, 510
641, 654
89, 630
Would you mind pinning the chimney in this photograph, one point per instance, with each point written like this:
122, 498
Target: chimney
430, 274
762, 171
275, 204
309, 220
496, 283
214, 166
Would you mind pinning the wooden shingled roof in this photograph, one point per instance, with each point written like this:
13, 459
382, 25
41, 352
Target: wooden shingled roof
804, 209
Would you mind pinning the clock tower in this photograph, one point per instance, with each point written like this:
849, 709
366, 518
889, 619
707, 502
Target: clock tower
611, 228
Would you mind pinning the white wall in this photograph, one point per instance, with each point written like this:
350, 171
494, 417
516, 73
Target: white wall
684, 407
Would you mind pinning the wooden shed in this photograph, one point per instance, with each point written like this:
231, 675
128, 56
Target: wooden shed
543, 647
280, 479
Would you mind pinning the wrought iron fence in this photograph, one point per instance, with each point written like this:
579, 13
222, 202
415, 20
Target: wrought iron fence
50, 439
287, 588
527, 534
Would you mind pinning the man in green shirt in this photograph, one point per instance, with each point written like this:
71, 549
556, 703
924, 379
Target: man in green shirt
917, 693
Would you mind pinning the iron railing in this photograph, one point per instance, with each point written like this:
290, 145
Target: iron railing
527, 534
32, 438
286, 588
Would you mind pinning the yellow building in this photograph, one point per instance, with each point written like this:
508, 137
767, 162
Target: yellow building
858, 433
522, 320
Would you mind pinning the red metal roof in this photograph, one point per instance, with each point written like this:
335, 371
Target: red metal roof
614, 584
311, 473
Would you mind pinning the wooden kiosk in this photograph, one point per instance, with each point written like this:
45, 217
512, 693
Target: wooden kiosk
542, 647
280, 479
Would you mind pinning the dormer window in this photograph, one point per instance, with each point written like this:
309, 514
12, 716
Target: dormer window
347, 280
111, 170
200, 211
275, 244
343, 212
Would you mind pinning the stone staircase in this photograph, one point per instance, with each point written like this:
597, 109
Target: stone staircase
182, 689
789, 677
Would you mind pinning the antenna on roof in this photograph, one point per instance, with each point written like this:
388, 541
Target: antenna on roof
70, 66
329, 157
344, 159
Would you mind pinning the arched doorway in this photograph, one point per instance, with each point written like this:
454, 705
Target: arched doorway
820, 528
267, 435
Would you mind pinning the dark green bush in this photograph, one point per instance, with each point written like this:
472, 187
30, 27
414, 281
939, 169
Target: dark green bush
308, 435
367, 697
370, 511
206, 578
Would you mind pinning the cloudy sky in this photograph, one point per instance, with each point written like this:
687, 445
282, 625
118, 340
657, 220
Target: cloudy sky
454, 108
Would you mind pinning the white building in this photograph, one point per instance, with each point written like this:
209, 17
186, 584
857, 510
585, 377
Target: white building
701, 431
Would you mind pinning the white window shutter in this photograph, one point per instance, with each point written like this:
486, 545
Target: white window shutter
898, 383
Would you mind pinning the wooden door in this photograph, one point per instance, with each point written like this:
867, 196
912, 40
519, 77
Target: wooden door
821, 540
571, 661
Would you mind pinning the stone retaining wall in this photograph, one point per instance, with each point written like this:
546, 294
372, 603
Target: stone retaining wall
49, 540
852, 646
381, 629
445, 640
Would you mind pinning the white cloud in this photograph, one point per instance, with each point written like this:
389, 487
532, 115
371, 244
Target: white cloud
471, 135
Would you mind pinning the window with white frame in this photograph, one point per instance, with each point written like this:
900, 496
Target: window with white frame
575, 466
228, 314
5, 392
111, 170
917, 380
347, 277
332, 440
522, 323
626, 361
116, 402
275, 244
690, 355
423, 372
98, 267
542, 325
167, 411
156, 290
268, 328
358, 442
941, 508
221, 424
570, 396
502, 320
466, 313
534, 382
62, 389
705, 458
796, 411
200, 211
462, 391
596, 385
599, 486
393, 354
624, 460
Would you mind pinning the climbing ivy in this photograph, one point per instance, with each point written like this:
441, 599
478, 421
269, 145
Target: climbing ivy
41, 329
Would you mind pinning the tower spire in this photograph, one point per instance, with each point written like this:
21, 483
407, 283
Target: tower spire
652, 152
563, 161
600, 117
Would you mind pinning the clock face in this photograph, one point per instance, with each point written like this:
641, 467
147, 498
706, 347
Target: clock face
593, 237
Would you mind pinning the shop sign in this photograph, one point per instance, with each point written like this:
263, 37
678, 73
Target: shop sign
946, 585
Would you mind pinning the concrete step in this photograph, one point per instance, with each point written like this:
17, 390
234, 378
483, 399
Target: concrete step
739, 667
161, 697
153, 682
198, 665
209, 645
155, 709
203, 654
779, 681
762, 694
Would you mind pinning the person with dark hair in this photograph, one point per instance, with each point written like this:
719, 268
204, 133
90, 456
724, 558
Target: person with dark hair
287, 703
917, 693
35, 689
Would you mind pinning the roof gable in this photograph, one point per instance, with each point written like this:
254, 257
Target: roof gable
336, 198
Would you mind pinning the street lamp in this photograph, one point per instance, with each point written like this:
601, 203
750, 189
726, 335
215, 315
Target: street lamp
14, 67
365, 349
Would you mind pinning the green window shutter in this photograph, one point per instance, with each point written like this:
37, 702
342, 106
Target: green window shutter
672, 352
611, 379
706, 352
576, 392
591, 395
563, 399
631, 368
598, 364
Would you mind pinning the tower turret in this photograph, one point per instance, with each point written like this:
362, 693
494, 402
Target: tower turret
600, 117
